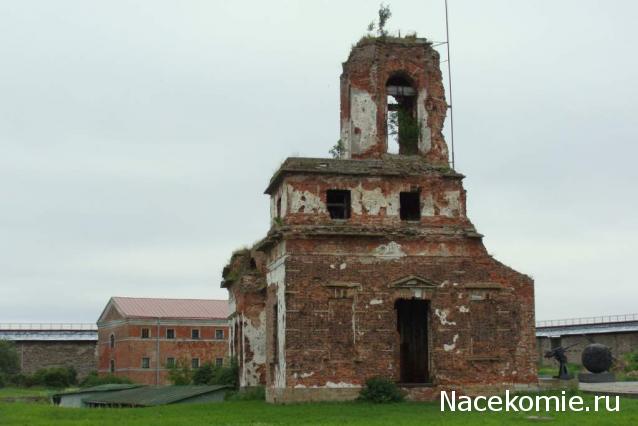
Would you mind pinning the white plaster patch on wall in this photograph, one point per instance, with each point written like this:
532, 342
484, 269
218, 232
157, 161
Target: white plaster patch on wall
341, 385
464, 309
255, 335
284, 200
305, 201
343, 266
389, 251
450, 347
453, 207
300, 386
417, 293
372, 201
232, 304
427, 203
277, 276
345, 137
363, 116
376, 301
282, 193
303, 375
425, 141
442, 316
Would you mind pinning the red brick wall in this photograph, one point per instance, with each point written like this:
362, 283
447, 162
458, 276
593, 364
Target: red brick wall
130, 348
344, 336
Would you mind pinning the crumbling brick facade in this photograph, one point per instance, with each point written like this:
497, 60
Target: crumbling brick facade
371, 266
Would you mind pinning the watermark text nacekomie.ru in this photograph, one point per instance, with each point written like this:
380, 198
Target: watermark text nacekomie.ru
452, 402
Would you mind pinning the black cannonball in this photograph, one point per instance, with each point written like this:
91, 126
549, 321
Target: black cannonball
597, 358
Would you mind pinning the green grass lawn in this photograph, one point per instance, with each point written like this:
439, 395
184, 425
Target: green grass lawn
552, 370
260, 413
10, 392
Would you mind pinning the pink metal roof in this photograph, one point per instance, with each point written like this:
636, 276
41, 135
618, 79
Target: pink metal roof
171, 308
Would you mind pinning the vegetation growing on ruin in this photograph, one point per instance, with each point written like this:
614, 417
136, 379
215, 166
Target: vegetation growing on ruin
377, 30
338, 150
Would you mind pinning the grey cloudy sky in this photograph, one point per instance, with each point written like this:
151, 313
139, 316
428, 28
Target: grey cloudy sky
137, 137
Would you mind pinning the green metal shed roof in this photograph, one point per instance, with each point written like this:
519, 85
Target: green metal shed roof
100, 388
149, 396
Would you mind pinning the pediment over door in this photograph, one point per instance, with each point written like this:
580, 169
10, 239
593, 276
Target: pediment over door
414, 281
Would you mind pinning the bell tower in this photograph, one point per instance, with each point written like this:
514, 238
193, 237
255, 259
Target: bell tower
392, 93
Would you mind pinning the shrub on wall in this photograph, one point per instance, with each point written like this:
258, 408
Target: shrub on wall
9, 361
180, 374
204, 375
208, 374
381, 390
93, 379
631, 361
53, 377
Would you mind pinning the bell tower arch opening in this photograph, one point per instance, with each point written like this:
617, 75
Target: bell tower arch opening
402, 125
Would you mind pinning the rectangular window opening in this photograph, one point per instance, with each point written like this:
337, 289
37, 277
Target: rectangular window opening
112, 366
195, 334
338, 203
410, 205
170, 362
170, 333
146, 333
219, 362
146, 363
219, 334
195, 363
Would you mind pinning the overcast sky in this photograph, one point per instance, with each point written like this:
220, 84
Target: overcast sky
137, 137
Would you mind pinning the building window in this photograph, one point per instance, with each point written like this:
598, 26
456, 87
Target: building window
195, 334
195, 363
219, 362
338, 203
278, 203
146, 362
112, 341
112, 366
170, 333
219, 334
170, 362
410, 205
146, 333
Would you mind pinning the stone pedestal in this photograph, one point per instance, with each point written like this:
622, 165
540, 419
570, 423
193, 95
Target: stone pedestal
605, 377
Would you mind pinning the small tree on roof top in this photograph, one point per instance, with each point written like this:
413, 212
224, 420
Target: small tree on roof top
384, 15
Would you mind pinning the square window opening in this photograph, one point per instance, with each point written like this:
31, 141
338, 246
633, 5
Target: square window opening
146, 333
195, 363
338, 203
219, 334
219, 362
170, 333
410, 205
146, 363
195, 334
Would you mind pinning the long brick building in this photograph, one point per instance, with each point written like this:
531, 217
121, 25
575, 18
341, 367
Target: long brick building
142, 338
371, 266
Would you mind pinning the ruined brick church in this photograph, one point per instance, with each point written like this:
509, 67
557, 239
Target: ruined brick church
371, 266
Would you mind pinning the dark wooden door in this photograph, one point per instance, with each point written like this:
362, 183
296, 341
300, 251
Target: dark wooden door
412, 323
